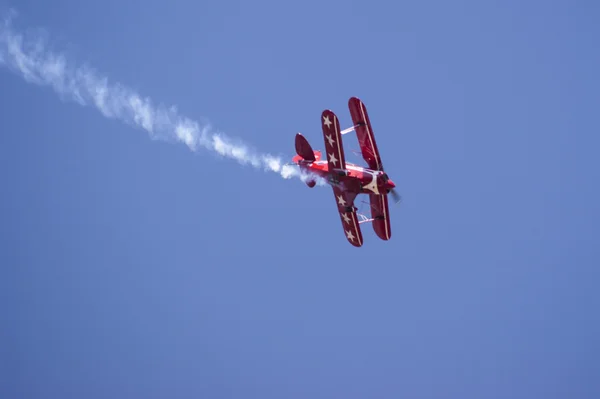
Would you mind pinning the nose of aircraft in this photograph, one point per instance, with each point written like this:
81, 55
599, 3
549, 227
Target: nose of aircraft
390, 184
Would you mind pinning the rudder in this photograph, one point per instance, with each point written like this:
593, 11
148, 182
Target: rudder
304, 149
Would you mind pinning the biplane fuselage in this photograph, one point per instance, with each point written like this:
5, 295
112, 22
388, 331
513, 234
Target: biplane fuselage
356, 178
349, 180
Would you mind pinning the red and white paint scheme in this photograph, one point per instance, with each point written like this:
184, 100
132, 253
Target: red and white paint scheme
348, 180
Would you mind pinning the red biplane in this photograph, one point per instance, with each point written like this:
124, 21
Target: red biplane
347, 179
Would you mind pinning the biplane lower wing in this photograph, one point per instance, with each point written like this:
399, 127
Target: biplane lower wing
348, 216
334, 148
381, 215
364, 132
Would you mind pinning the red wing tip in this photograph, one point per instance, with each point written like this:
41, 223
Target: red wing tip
357, 242
354, 100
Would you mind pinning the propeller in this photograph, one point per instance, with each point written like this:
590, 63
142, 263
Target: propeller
397, 198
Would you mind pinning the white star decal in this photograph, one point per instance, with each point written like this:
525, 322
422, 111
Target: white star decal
346, 218
341, 200
350, 235
331, 141
333, 159
326, 121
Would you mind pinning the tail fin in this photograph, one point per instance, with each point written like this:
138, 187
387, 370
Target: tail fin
306, 153
304, 149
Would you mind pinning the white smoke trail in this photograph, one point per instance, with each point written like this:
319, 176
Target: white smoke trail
29, 57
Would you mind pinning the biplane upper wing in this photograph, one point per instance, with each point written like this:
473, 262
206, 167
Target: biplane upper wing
364, 132
347, 211
381, 215
334, 149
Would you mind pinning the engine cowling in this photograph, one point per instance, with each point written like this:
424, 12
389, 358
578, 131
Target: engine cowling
384, 183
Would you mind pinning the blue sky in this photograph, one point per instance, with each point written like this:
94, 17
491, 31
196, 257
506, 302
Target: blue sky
136, 268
